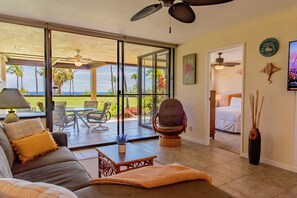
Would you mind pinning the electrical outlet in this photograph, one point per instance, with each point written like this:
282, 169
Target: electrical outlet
190, 128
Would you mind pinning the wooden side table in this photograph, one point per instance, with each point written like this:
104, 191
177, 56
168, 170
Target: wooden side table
111, 162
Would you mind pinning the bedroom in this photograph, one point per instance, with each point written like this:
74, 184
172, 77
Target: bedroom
226, 81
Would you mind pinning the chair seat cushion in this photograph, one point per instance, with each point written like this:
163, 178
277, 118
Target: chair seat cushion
95, 116
63, 154
170, 128
70, 175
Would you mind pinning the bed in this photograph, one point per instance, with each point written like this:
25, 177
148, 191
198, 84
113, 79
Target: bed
228, 118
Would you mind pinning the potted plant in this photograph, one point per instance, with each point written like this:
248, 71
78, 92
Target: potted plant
121, 140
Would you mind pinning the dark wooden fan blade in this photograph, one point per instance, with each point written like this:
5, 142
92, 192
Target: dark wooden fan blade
146, 11
182, 12
230, 64
204, 2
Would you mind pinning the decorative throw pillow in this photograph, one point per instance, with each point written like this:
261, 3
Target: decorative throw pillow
5, 144
18, 130
24, 189
34, 146
5, 171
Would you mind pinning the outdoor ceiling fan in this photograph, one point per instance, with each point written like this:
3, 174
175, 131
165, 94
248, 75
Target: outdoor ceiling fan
79, 61
220, 64
181, 11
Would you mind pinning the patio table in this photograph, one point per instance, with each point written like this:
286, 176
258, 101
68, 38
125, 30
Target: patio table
75, 111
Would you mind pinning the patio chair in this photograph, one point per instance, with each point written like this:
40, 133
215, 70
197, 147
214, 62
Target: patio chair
61, 102
170, 121
61, 119
100, 117
41, 106
88, 104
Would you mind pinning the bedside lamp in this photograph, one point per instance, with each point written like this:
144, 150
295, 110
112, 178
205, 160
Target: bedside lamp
218, 98
12, 99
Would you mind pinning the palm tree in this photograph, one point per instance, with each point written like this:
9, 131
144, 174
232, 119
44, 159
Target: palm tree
17, 71
36, 81
60, 76
71, 77
112, 79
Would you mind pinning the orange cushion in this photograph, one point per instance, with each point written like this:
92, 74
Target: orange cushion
34, 146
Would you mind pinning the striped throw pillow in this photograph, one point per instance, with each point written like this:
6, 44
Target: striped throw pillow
19, 130
10, 187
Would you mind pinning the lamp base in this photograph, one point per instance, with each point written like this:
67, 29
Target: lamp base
11, 117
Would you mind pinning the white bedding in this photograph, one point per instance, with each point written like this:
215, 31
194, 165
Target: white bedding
228, 118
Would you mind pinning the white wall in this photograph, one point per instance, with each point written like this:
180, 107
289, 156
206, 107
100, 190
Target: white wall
227, 81
278, 116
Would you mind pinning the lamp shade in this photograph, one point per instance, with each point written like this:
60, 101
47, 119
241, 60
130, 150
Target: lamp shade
12, 99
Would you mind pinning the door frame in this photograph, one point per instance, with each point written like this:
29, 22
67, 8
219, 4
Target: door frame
207, 101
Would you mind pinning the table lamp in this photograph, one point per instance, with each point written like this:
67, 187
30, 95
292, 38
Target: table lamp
12, 99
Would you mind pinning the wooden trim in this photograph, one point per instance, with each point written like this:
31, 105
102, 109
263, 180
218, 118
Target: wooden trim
236, 95
212, 127
82, 31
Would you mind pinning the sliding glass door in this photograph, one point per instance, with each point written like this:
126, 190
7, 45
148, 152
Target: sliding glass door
143, 85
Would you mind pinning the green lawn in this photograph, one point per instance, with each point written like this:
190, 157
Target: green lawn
79, 102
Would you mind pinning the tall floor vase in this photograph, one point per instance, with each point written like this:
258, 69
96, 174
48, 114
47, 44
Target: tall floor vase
254, 146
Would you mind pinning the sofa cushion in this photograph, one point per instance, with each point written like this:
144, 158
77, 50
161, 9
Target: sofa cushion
5, 144
63, 154
195, 188
70, 175
19, 188
5, 171
21, 129
34, 146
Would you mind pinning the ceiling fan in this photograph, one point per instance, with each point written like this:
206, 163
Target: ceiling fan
79, 60
220, 64
180, 11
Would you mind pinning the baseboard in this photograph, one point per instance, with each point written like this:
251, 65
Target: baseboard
194, 140
274, 163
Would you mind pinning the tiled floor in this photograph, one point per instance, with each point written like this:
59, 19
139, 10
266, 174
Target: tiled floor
228, 170
86, 137
227, 141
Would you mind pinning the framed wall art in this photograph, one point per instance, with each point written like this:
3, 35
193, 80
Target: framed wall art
189, 69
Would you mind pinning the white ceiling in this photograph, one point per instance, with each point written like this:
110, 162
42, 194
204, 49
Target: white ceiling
114, 16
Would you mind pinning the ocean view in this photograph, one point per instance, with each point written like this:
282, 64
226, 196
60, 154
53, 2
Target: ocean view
81, 80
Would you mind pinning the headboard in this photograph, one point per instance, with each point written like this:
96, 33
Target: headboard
236, 95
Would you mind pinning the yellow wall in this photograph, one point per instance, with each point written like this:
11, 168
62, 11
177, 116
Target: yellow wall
277, 121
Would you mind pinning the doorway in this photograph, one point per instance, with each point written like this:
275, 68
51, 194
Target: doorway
225, 88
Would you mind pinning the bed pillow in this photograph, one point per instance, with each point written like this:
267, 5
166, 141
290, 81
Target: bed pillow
19, 188
5, 171
235, 102
34, 146
18, 130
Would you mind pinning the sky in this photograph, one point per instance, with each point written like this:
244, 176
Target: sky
81, 79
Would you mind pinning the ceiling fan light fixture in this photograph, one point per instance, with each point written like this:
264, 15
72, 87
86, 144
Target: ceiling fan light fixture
78, 63
219, 67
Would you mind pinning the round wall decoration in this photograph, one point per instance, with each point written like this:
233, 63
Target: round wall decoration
269, 47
